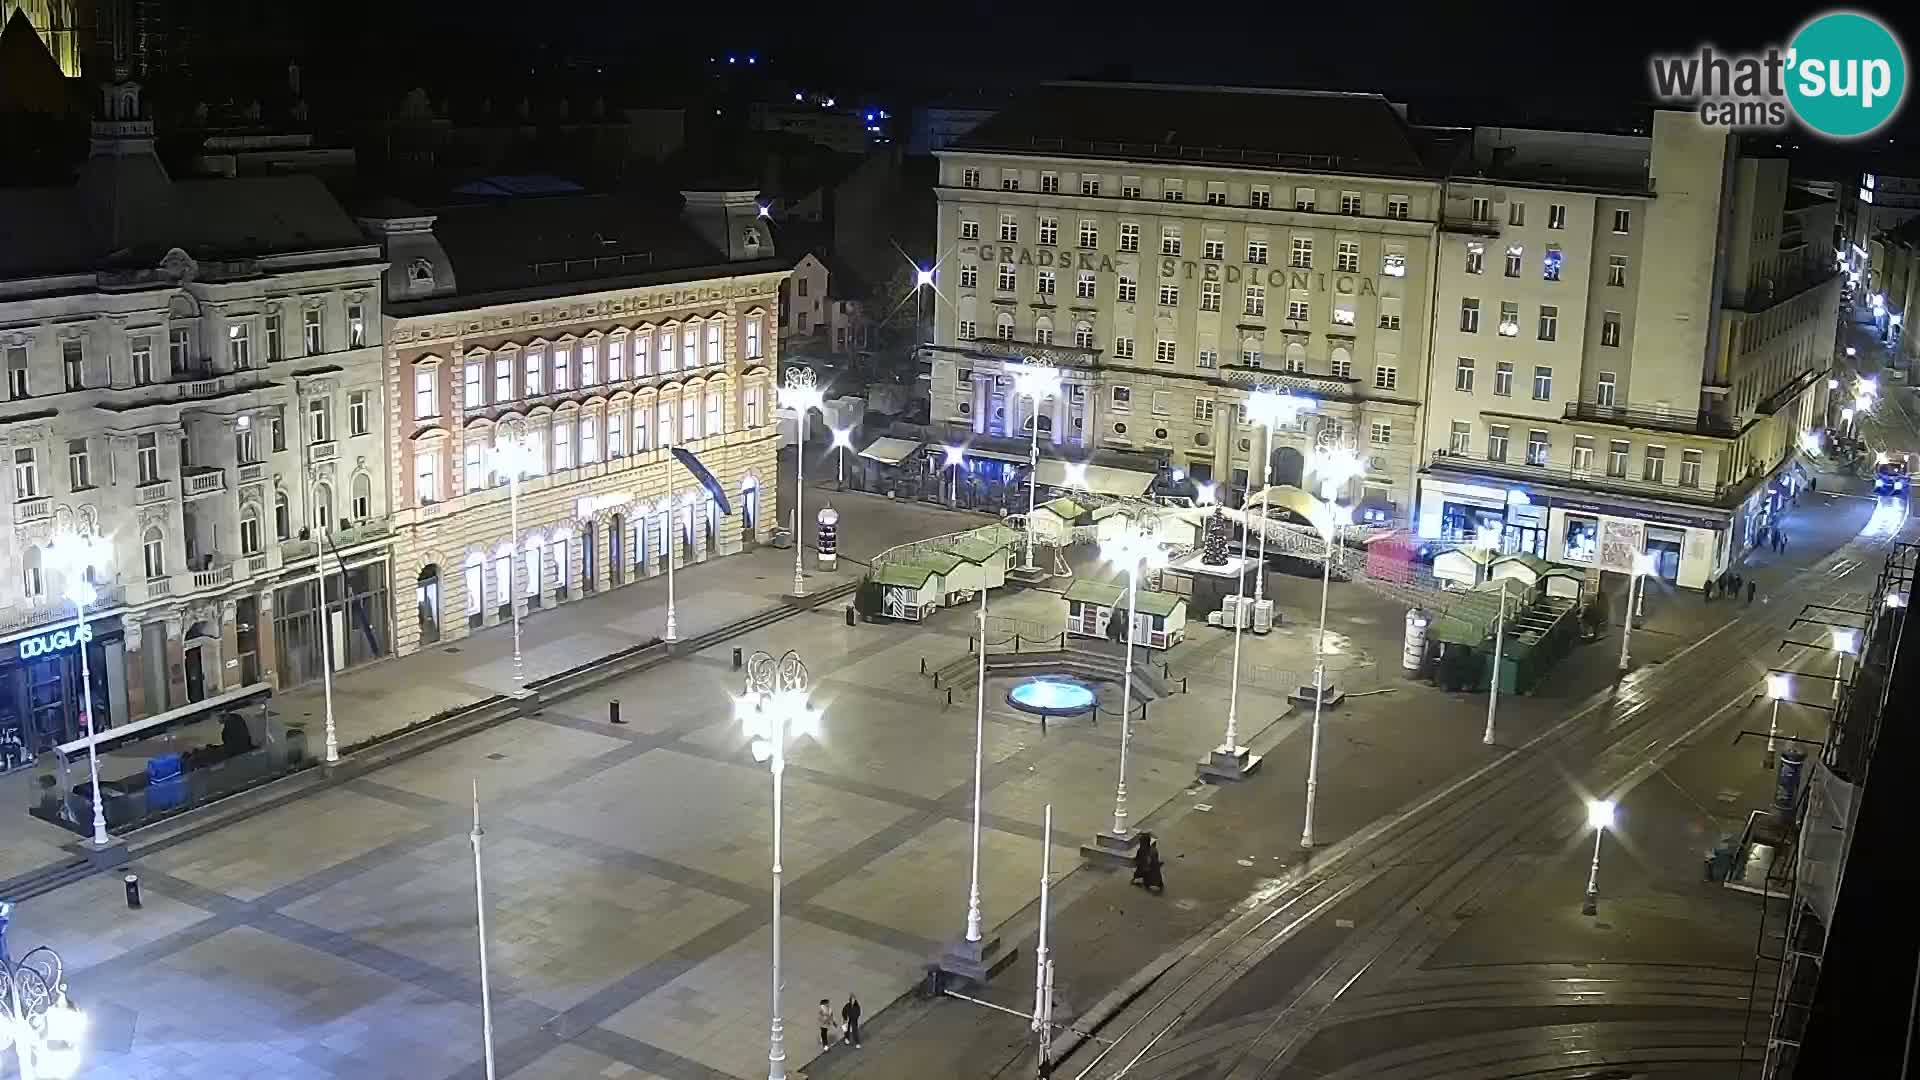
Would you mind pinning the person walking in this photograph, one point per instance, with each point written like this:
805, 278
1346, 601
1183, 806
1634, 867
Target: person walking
850, 1012
1752, 587
1706, 591
826, 1024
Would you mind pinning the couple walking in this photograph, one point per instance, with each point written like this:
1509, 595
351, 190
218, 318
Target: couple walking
846, 1026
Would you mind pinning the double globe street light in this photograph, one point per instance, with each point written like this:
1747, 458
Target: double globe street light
802, 396
1138, 552
1036, 382
77, 557
36, 1019
516, 455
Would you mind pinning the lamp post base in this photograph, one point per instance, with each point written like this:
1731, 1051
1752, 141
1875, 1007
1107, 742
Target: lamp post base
105, 856
1227, 764
1590, 904
973, 961
1111, 848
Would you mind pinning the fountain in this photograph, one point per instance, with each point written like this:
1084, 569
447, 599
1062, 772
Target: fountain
1051, 696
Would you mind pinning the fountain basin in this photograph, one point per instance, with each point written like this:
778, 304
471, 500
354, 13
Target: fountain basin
1051, 697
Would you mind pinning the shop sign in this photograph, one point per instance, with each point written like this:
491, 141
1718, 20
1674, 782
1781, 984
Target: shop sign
1661, 516
54, 641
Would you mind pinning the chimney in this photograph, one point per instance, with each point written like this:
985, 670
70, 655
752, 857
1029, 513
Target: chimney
731, 221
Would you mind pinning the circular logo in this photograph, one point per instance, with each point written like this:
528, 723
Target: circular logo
1846, 75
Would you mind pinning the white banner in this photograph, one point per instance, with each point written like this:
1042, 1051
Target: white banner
1620, 540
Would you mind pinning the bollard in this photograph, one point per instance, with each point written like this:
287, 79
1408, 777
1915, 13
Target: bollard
613, 711
133, 892
850, 613
936, 680
1183, 684
737, 661
969, 645
949, 695
923, 665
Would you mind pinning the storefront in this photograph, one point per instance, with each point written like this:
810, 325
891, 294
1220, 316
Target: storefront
1464, 514
357, 618
40, 686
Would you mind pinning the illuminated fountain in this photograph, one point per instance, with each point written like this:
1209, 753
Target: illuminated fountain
1051, 696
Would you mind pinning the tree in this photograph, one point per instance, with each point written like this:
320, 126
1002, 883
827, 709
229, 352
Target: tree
1213, 546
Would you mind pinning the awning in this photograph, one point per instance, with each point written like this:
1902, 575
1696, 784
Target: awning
1017, 458
1100, 479
888, 450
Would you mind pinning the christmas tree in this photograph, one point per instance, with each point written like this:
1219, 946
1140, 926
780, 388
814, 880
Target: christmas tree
1213, 548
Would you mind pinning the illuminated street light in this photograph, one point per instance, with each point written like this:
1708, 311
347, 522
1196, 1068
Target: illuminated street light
1845, 640
516, 455
842, 442
1035, 382
1137, 552
1327, 520
1600, 819
1833, 384
1779, 688
1269, 409
802, 396
44, 1028
1206, 494
1895, 600
922, 277
1851, 351
955, 455
1335, 466
1643, 565
77, 557
1077, 475
773, 710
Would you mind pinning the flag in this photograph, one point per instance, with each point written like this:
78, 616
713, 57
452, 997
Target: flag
706, 479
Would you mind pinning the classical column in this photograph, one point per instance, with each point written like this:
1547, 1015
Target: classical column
227, 677
1060, 417
980, 404
176, 661
265, 640
132, 639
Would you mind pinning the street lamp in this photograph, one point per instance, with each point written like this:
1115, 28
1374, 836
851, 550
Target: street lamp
955, 456
1845, 641
323, 626
774, 709
43, 1027
1206, 494
1643, 564
1327, 520
801, 395
843, 441
517, 454
480, 923
1493, 685
1335, 465
1136, 551
1035, 382
76, 556
1600, 817
1779, 688
1269, 409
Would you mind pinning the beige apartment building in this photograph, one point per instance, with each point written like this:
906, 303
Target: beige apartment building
1172, 249
1631, 334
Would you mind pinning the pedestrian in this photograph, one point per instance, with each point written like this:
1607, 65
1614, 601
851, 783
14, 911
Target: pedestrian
850, 1012
1147, 865
1813, 483
1783, 543
1706, 591
826, 1024
1752, 586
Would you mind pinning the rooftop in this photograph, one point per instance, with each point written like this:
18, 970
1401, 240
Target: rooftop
1289, 129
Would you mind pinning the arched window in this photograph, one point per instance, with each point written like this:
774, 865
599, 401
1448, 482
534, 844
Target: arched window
1252, 352
282, 518
362, 497
322, 507
1003, 325
250, 529
153, 553
1043, 330
1083, 335
1296, 358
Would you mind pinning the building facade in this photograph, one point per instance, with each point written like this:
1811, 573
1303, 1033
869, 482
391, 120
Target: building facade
193, 374
597, 366
1281, 240
1630, 342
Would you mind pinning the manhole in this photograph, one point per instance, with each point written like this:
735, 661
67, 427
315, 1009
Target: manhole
496, 757
451, 649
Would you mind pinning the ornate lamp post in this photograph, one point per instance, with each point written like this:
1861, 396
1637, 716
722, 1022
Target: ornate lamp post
480, 921
1489, 541
1137, 552
516, 455
1845, 640
1643, 565
1035, 382
1327, 521
842, 440
76, 557
801, 395
36, 1018
774, 709
1600, 817
1270, 409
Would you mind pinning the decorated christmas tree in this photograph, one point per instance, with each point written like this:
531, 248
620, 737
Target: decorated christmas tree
1213, 548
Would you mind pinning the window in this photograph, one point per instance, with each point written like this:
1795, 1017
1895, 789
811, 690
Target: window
1082, 335
1550, 265
1169, 239
1610, 329
590, 365
1009, 229
153, 553
1049, 232
1162, 403
357, 413
1502, 379
425, 403
319, 420
969, 230
246, 448
361, 495
1690, 468
79, 465
969, 277
249, 530
1654, 464
1216, 194
1210, 296
1470, 316
1257, 251
1549, 322
1622, 221
1515, 256
1582, 455
1303, 198
1050, 183
970, 178
1543, 384
502, 378
1398, 207
1386, 378
1303, 252
140, 348
1298, 311
1603, 391
1517, 213
1297, 364
1460, 441
1537, 447
277, 432
1207, 359
1346, 258
1256, 300
1509, 320
1260, 197
473, 390
1003, 326
1173, 191
531, 368
1482, 209
1476, 258
1343, 316
589, 439
1393, 261
617, 351
750, 410
1382, 434
1169, 295
1089, 233
1009, 180
1089, 185
311, 333
1129, 236
1043, 333
473, 472
1250, 354
1463, 375
1617, 271
1008, 281
1128, 289
689, 349
179, 349
1165, 352
26, 474
1617, 458
356, 325
282, 517
1389, 320
1122, 399
1083, 286
1123, 348
1497, 442
426, 474
1043, 283
17, 385
1203, 409
968, 330
1350, 203
1557, 216
663, 420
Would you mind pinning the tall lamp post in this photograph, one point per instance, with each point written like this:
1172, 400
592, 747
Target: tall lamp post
774, 709
842, 442
516, 455
955, 457
1327, 520
323, 628
76, 557
1035, 382
1600, 817
1136, 551
1643, 565
1845, 641
480, 922
1269, 409
36, 1018
802, 396
1489, 539
1779, 688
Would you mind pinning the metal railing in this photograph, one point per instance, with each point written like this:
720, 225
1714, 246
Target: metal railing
1686, 423
1588, 478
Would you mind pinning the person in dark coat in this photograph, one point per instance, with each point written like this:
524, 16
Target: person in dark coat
850, 1012
1706, 591
1146, 865
1752, 587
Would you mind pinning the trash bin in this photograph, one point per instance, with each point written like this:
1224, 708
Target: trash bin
850, 615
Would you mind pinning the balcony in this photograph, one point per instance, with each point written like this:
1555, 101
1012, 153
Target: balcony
322, 451
1630, 416
153, 491
1317, 386
201, 480
1759, 300
1470, 226
256, 565
158, 587
1583, 479
214, 576
32, 508
253, 472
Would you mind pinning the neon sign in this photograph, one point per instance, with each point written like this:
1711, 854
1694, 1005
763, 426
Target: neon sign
54, 641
